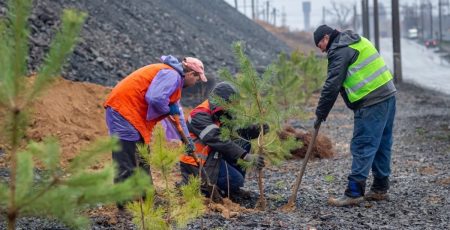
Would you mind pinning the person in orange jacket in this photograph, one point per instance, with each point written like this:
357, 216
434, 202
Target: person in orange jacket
143, 98
218, 156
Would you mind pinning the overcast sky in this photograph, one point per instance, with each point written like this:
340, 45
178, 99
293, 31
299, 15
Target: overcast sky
294, 12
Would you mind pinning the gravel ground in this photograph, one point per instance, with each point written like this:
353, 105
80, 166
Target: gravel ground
420, 197
419, 192
114, 42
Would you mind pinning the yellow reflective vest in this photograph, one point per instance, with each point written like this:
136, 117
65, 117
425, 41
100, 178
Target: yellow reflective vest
367, 73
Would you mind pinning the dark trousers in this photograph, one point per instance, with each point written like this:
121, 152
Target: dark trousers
221, 170
230, 174
127, 160
371, 144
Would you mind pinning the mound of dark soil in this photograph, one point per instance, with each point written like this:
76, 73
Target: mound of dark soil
323, 148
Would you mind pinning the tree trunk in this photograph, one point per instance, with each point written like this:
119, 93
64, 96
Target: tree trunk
12, 212
262, 203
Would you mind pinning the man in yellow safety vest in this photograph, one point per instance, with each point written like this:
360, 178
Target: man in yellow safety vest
359, 73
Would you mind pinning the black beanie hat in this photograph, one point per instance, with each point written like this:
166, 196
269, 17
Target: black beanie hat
320, 32
225, 90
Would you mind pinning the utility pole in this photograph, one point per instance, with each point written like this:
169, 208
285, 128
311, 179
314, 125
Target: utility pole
422, 23
376, 29
440, 22
257, 9
253, 9
431, 19
396, 42
267, 11
274, 15
323, 14
235, 4
355, 15
245, 7
365, 17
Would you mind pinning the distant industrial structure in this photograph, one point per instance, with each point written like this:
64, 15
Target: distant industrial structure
306, 14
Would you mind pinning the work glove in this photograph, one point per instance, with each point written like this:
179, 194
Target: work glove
174, 109
259, 159
190, 147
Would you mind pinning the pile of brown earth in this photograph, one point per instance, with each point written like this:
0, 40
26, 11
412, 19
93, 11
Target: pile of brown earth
70, 111
323, 147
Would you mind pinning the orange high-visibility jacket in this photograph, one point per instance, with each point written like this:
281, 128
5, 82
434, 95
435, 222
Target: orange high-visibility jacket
201, 150
128, 98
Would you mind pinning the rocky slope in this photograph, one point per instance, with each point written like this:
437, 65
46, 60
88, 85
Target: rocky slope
119, 37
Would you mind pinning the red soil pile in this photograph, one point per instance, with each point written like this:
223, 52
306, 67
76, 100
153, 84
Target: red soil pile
323, 147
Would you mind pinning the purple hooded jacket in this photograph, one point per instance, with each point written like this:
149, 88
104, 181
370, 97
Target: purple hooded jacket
157, 97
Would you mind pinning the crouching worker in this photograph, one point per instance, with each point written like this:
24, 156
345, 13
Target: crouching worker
143, 98
218, 157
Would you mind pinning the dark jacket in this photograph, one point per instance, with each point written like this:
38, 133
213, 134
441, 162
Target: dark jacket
340, 57
201, 120
229, 150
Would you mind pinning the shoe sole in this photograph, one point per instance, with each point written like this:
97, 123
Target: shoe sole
337, 203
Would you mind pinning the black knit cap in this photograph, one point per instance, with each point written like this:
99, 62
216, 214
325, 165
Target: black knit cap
320, 32
225, 90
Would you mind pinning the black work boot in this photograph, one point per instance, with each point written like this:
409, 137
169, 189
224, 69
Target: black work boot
378, 190
354, 194
240, 194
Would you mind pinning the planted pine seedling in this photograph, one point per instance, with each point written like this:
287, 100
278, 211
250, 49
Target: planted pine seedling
256, 104
296, 77
58, 192
170, 207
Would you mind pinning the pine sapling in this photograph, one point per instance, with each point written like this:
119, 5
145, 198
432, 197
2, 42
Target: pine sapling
169, 208
313, 71
255, 104
59, 192
296, 77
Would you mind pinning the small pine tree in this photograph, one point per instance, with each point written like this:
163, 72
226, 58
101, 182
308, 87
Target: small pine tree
58, 192
256, 103
313, 71
296, 78
174, 209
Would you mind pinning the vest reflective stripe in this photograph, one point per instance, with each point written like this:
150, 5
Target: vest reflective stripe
201, 150
367, 80
202, 157
368, 73
206, 130
357, 68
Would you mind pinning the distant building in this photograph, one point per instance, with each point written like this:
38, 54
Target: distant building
307, 14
